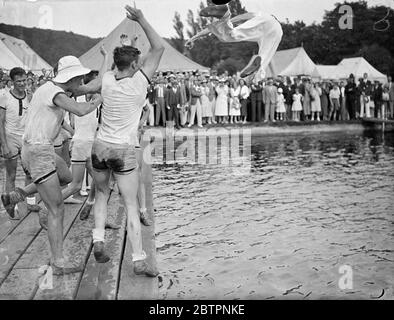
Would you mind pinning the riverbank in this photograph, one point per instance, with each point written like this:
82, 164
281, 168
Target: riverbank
279, 127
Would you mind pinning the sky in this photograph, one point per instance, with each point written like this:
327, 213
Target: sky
97, 18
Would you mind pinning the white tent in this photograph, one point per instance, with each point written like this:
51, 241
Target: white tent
358, 66
8, 60
27, 58
291, 62
172, 60
326, 72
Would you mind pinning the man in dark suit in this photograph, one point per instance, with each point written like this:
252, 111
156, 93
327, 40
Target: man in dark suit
172, 98
350, 97
160, 103
390, 87
256, 98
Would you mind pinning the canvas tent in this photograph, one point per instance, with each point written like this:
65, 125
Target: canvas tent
171, 59
7, 59
358, 66
326, 72
291, 62
23, 55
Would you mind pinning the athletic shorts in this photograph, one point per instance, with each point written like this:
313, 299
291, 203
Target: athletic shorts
14, 142
38, 161
120, 158
58, 143
81, 151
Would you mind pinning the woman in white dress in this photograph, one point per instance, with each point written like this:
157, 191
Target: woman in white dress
221, 108
315, 104
205, 104
235, 106
297, 105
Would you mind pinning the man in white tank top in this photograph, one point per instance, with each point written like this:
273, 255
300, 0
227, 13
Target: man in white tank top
124, 91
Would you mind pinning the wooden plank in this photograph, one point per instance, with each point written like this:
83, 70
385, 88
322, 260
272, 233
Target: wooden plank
133, 287
15, 245
76, 249
7, 226
100, 280
22, 282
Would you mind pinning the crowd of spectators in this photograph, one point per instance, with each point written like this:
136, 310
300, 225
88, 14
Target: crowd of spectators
194, 98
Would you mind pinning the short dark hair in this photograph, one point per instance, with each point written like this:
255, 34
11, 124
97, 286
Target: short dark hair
90, 76
17, 72
124, 56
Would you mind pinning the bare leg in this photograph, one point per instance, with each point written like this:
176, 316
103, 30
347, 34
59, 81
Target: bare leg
128, 186
50, 193
10, 166
101, 179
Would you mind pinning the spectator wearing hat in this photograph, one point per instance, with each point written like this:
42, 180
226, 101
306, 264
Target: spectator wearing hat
205, 103
365, 90
151, 103
212, 96
390, 89
195, 103
335, 94
270, 96
160, 102
307, 99
280, 105
221, 108
185, 98
172, 98
351, 96
315, 103
343, 114
256, 97
243, 93
377, 94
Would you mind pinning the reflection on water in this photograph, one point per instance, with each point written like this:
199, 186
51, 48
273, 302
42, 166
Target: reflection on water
305, 206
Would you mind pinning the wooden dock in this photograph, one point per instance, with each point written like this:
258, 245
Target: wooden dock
378, 124
24, 250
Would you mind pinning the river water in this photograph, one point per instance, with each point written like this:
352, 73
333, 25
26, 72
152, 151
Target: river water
310, 217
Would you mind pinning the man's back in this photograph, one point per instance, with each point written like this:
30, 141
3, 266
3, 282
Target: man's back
123, 100
44, 118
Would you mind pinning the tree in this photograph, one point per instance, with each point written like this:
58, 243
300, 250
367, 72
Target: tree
179, 41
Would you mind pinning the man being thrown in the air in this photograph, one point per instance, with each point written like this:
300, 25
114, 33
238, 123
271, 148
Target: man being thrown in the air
256, 27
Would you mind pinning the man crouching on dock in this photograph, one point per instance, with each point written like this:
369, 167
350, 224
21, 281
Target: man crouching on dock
124, 91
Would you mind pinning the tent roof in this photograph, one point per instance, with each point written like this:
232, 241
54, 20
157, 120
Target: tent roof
27, 57
291, 62
171, 59
327, 72
358, 66
8, 60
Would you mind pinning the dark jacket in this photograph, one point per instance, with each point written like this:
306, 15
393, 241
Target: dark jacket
195, 94
351, 90
172, 98
257, 92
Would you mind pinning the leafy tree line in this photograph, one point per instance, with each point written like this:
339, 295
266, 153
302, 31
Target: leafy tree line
371, 37
51, 45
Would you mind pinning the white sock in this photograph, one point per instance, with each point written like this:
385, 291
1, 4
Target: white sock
31, 200
139, 257
98, 235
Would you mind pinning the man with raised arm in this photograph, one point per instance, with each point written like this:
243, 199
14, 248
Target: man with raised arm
124, 91
47, 170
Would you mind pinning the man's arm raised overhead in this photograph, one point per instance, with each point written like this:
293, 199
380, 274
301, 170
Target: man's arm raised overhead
94, 86
153, 57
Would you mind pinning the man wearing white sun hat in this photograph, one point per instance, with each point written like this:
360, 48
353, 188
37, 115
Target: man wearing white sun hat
39, 160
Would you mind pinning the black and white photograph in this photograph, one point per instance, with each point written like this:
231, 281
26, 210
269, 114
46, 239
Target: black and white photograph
196, 150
